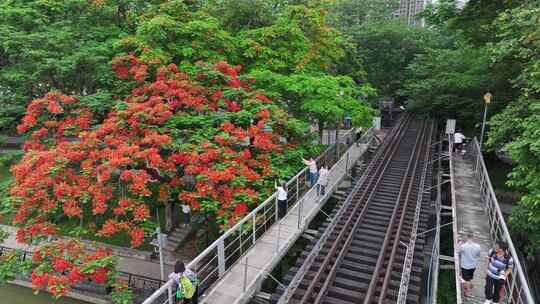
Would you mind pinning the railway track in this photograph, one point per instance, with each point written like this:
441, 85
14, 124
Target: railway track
360, 257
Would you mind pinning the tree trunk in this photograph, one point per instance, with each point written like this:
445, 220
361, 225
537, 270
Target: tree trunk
337, 131
168, 217
321, 132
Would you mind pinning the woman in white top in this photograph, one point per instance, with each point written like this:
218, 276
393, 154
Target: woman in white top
322, 181
281, 198
312, 164
186, 211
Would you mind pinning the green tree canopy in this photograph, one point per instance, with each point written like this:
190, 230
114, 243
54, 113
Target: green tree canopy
320, 99
516, 130
387, 49
63, 45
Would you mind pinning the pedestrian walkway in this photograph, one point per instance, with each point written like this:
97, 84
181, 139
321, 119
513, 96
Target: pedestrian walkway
476, 209
471, 217
244, 278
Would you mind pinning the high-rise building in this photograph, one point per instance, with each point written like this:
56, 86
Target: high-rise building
408, 10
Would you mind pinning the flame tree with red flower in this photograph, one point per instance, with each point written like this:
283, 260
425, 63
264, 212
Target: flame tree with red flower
213, 128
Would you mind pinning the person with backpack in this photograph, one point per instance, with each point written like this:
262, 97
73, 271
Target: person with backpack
186, 284
499, 268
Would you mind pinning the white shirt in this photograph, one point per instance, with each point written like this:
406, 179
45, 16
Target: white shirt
323, 177
281, 194
458, 138
185, 208
469, 254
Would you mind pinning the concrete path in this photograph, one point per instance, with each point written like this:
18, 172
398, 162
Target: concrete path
273, 245
471, 217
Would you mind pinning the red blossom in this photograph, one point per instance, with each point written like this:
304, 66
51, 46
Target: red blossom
54, 108
234, 83
132, 158
240, 209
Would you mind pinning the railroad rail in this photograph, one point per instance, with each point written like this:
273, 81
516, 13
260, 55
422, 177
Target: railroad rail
361, 256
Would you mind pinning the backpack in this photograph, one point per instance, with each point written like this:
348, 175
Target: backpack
188, 289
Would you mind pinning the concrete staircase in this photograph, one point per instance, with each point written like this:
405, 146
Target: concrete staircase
176, 238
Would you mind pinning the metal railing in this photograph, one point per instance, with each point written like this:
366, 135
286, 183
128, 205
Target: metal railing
433, 269
455, 230
516, 285
214, 262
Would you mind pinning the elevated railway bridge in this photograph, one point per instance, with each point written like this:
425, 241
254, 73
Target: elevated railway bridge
381, 242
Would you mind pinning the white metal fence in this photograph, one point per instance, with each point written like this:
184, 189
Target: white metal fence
214, 262
517, 287
455, 230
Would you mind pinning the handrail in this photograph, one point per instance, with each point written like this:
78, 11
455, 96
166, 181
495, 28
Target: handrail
455, 230
500, 231
433, 271
288, 293
216, 253
258, 208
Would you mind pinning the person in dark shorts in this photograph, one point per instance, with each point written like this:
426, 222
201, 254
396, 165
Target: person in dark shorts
469, 254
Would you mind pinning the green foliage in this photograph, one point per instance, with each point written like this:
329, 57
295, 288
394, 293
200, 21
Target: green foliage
244, 14
172, 32
450, 82
47, 45
12, 265
350, 14
320, 99
121, 294
387, 49
257, 34
517, 129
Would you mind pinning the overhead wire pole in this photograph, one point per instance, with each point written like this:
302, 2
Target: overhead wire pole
487, 101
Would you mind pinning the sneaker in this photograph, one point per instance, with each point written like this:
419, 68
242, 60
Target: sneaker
487, 302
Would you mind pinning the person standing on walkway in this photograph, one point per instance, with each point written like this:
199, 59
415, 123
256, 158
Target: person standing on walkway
322, 181
281, 198
312, 171
458, 141
499, 267
469, 254
186, 212
186, 282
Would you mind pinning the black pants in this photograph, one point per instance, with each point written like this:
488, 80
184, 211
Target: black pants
282, 208
458, 147
493, 289
321, 189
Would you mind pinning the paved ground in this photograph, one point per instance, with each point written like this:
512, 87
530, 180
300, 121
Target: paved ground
471, 217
